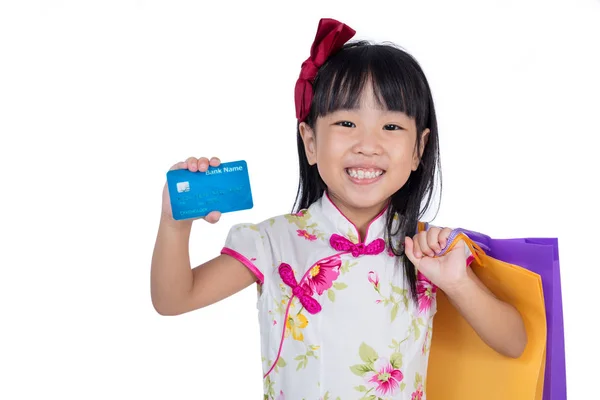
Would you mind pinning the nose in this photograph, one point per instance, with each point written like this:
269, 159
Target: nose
368, 143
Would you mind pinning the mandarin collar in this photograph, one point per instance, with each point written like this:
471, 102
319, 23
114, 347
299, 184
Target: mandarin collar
341, 225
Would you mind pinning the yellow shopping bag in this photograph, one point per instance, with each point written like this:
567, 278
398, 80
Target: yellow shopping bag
462, 366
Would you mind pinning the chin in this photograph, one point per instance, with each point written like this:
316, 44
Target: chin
361, 199
368, 204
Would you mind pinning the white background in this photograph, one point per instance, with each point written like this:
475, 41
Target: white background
98, 99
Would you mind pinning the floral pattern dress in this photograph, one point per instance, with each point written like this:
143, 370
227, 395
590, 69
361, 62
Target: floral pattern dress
336, 318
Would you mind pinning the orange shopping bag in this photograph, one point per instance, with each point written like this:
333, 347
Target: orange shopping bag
462, 366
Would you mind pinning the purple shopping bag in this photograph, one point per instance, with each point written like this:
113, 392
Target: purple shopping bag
539, 255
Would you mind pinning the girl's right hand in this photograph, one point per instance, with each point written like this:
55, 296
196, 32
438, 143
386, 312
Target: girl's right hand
193, 164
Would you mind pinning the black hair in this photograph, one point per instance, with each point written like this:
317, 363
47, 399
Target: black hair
399, 84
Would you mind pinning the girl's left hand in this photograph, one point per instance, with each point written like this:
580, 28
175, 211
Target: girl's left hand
446, 272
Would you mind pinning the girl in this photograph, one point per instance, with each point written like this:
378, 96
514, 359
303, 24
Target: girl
346, 299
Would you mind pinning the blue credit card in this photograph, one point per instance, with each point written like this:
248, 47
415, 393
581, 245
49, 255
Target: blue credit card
225, 188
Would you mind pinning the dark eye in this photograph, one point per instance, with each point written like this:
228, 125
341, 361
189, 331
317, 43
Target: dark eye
391, 127
346, 124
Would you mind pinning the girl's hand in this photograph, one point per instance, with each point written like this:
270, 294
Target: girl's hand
193, 164
446, 272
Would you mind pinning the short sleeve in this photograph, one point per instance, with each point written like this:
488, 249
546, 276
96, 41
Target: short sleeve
246, 243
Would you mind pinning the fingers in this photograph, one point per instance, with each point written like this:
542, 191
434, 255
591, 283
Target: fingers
428, 241
409, 250
197, 164
416, 246
443, 239
431, 242
213, 217
179, 165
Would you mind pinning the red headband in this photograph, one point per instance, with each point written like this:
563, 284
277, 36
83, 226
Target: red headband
331, 36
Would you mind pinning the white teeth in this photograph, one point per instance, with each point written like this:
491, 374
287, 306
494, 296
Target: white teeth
362, 174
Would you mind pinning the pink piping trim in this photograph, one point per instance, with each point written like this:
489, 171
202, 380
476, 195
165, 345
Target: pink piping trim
246, 262
470, 259
352, 223
287, 310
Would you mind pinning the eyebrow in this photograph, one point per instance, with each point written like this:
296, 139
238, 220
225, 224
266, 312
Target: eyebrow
383, 111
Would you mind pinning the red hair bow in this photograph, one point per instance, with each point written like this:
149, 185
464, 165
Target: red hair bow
331, 36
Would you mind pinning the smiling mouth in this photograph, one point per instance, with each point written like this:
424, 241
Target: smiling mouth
364, 173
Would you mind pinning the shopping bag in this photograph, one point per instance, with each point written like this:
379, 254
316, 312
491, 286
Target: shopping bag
539, 255
461, 365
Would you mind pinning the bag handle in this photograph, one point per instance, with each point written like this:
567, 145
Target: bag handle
476, 248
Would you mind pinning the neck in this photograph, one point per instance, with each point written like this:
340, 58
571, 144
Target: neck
361, 218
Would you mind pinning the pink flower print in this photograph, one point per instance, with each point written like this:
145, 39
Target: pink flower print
417, 394
386, 379
281, 396
253, 259
299, 213
374, 279
303, 233
321, 275
425, 292
391, 253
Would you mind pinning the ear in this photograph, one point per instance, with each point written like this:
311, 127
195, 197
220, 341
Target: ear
310, 143
417, 156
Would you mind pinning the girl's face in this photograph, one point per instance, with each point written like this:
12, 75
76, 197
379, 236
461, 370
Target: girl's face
363, 155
